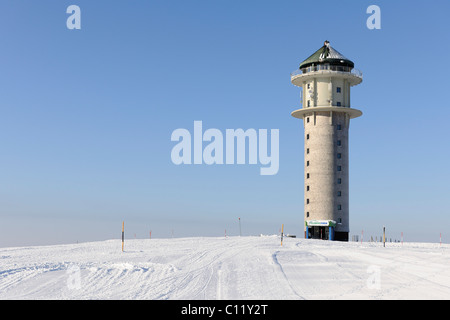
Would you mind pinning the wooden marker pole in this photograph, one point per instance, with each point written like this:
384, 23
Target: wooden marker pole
282, 227
122, 234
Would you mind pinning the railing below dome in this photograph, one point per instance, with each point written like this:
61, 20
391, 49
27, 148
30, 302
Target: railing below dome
321, 67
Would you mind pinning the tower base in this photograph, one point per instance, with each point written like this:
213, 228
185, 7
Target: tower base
317, 232
340, 236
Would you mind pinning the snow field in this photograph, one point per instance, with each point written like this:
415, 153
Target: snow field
241, 268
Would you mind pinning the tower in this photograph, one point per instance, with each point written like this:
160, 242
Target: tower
326, 78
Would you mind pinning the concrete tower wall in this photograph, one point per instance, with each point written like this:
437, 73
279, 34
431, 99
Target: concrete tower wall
326, 168
323, 91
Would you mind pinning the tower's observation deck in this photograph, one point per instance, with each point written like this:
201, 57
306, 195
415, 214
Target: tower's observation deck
326, 78
326, 67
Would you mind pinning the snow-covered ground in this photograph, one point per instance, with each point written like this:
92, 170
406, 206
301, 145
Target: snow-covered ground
226, 268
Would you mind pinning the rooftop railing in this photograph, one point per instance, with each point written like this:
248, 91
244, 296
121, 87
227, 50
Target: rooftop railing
321, 67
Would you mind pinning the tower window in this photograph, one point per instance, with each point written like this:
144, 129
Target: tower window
339, 207
307, 119
338, 104
339, 155
339, 193
339, 127
340, 220
339, 168
309, 103
307, 151
339, 143
338, 89
339, 181
309, 86
307, 163
307, 176
307, 214
307, 188
307, 201
307, 136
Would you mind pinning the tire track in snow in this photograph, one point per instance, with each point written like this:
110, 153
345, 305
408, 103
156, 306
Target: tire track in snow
277, 263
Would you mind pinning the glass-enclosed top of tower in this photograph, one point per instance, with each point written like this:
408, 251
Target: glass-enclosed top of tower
327, 55
327, 59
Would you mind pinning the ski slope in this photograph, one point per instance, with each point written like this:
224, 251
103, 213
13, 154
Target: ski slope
226, 268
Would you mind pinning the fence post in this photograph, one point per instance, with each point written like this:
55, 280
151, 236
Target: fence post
240, 232
122, 234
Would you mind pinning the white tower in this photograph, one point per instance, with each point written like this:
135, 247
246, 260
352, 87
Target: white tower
325, 78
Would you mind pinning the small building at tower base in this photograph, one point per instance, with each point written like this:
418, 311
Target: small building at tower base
320, 229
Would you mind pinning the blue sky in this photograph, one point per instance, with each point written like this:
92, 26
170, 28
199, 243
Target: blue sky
87, 115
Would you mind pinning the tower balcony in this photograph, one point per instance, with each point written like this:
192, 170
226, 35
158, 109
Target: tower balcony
355, 76
351, 112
